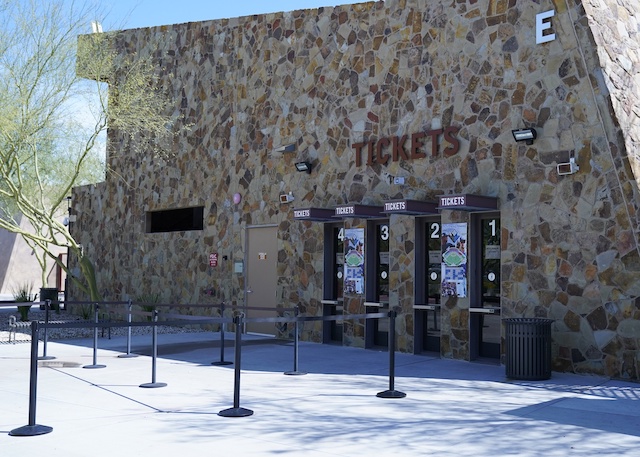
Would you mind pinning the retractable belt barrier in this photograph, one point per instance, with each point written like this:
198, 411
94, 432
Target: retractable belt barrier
33, 429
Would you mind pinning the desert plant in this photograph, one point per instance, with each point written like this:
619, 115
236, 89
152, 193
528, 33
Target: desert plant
148, 302
22, 294
86, 311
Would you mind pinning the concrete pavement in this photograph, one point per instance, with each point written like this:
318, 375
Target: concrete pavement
452, 408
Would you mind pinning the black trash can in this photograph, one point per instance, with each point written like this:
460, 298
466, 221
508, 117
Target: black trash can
528, 348
50, 293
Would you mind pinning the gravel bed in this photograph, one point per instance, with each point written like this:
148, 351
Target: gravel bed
69, 333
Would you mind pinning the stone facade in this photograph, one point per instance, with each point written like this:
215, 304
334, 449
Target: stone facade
327, 79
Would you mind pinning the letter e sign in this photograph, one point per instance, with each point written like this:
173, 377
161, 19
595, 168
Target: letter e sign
543, 22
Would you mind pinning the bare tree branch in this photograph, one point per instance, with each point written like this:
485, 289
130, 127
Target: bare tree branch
58, 95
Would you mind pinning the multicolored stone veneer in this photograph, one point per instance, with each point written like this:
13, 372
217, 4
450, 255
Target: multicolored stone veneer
328, 78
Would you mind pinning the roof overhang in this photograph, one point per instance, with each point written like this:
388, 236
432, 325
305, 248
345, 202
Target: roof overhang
314, 214
358, 211
410, 207
467, 202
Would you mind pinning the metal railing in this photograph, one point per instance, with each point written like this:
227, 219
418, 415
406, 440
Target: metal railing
239, 319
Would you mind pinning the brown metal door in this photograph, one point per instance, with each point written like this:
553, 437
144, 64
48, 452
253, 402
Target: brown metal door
261, 279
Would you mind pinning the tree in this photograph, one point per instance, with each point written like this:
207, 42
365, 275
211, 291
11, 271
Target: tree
59, 92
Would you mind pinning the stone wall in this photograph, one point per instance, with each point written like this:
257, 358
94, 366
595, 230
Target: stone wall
326, 79
614, 28
616, 31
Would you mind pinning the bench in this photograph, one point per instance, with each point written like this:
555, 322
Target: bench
15, 324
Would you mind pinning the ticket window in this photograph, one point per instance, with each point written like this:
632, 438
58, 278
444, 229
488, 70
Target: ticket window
382, 265
433, 260
334, 281
428, 285
377, 290
485, 297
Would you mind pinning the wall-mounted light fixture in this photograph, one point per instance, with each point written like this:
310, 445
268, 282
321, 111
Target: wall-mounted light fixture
303, 166
286, 148
527, 135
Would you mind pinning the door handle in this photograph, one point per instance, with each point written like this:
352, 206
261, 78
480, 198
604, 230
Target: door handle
249, 291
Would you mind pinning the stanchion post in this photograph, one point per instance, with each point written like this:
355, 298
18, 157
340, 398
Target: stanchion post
295, 371
47, 304
95, 340
154, 355
129, 314
222, 326
237, 411
392, 393
32, 429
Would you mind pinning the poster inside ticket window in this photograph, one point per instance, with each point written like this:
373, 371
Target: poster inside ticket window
354, 261
454, 259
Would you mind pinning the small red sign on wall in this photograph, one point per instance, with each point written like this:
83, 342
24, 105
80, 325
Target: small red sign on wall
213, 259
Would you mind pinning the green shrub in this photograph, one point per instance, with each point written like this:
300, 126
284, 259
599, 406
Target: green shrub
147, 302
22, 294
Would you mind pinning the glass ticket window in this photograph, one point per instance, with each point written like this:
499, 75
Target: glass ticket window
433, 259
433, 284
334, 281
428, 285
382, 266
491, 262
338, 263
485, 299
377, 292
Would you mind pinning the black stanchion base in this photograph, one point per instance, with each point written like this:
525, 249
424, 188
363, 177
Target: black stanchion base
221, 363
153, 385
235, 412
46, 357
31, 430
391, 394
295, 373
94, 366
127, 356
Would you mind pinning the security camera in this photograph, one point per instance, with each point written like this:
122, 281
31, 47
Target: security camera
286, 198
568, 168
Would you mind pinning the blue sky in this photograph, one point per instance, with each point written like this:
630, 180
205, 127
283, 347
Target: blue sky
145, 13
